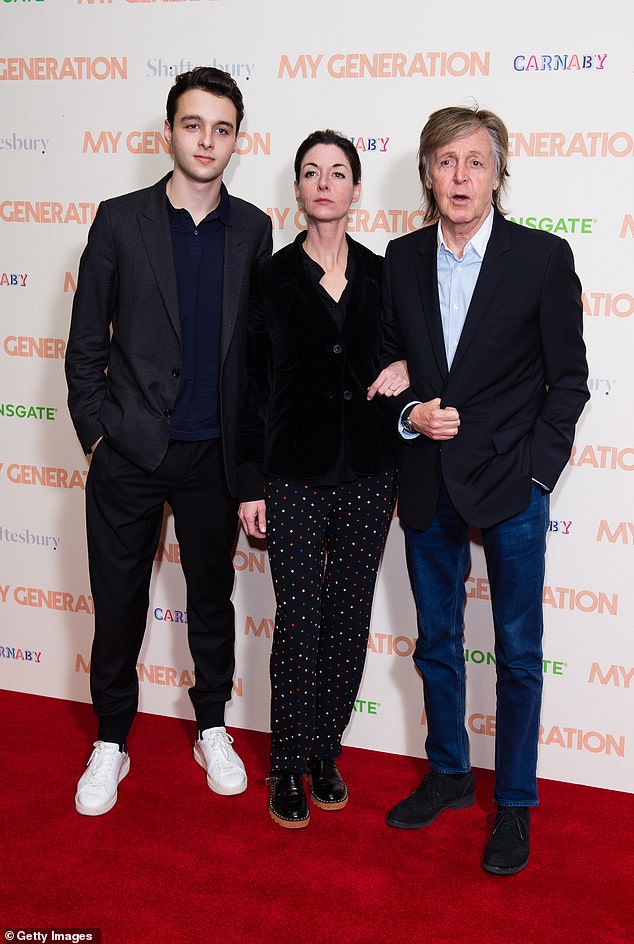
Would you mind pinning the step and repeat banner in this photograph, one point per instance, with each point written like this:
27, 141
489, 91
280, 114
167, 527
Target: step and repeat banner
83, 85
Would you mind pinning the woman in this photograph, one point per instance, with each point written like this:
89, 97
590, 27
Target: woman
322, 456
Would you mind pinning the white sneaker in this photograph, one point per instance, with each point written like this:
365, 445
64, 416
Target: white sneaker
225, 771
97, 787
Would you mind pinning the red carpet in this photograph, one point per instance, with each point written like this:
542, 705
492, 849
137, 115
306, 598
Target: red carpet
174, 863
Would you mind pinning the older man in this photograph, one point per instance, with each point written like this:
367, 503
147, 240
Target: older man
489, 317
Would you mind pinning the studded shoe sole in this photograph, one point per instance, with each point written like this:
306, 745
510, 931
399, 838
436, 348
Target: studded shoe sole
286, 823
277, 816
325, 804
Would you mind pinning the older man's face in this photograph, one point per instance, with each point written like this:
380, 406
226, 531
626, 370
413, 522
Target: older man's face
463, 179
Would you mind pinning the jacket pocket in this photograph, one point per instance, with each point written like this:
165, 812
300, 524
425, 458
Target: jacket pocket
504, 440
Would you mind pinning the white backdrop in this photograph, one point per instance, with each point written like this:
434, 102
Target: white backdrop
83, 87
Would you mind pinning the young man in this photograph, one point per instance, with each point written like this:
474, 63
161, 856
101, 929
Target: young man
154, 366
489, 317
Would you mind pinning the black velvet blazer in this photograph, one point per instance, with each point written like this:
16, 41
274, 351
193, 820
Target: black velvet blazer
305, 408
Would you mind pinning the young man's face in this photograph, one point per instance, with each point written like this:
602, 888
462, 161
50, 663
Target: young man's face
203, 137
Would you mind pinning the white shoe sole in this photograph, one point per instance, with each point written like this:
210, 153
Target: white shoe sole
199, 757
100, 810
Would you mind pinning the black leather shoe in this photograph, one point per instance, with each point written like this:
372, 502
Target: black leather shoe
507, 849
437, 792
327, 789
287, 799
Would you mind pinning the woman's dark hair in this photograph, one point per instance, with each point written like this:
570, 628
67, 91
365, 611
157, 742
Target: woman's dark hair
329, 137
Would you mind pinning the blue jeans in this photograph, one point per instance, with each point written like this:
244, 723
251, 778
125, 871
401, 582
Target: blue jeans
438, 561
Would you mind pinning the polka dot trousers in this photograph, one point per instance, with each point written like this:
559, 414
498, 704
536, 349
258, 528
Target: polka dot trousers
325, 544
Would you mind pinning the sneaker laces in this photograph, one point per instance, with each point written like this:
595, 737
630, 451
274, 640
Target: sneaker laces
220, 743
103, 757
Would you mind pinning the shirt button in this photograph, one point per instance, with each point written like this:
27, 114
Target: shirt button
195, 232
337, 349
176, 372
347, 395
167, 413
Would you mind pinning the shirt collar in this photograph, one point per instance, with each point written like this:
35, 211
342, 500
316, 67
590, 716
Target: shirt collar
478, 241
315, 270
222, 211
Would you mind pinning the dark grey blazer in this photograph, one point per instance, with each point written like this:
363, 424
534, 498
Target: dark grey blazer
518, 377
124, 354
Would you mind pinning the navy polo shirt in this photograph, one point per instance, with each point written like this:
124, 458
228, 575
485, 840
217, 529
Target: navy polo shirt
199, 253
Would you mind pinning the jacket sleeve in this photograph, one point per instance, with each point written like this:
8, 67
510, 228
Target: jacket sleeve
88, 346
565, 367
257, 393
392, 346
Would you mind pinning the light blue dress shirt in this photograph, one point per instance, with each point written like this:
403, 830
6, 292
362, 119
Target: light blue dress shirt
456, 283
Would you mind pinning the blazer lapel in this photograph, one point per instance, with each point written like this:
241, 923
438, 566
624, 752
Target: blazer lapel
234, 272
302, 295
427, 278
491, 271
155, 232
356, 309
364, 301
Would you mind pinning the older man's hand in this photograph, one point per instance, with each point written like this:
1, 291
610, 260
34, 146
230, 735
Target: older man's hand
432, 421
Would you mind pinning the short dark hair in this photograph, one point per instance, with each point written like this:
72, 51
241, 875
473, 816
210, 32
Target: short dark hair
211, 80
443, 126
328, 136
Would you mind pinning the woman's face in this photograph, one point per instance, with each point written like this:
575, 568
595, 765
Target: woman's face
325, 189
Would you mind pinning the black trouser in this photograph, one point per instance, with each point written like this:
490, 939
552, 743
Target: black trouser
124, 514
324, 546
